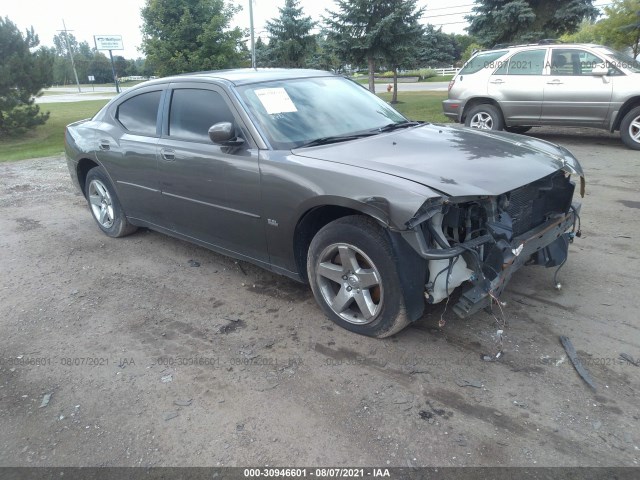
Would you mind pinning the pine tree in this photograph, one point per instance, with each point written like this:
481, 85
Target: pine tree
23, 74
291, 42
521, 21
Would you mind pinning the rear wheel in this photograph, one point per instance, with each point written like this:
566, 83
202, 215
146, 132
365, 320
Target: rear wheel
354, 278
105, 206
484, 117
630, 129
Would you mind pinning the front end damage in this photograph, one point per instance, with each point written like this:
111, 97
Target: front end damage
482, 241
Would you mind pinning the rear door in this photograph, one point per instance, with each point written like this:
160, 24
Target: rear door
210, 193
518, 86
572, 94
127, 148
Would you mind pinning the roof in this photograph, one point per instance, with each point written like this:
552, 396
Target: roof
245, 76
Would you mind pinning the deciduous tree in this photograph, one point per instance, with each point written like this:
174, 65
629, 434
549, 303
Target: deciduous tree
189, 35
373, 30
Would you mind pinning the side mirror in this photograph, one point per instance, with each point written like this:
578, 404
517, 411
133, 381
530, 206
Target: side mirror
600, 71
223, 133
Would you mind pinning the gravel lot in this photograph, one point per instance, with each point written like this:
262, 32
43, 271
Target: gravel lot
152, 361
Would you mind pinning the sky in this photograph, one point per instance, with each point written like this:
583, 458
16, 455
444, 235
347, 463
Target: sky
86, 18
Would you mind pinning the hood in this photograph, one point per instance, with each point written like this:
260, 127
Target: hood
453, 160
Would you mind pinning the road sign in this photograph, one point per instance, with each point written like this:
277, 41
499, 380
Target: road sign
108, 42
91, 78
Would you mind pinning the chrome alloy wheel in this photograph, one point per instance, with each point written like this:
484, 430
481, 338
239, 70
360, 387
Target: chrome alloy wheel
634, 129
350, 283
482, 121
101, 203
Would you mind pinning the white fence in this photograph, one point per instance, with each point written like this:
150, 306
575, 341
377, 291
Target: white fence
446, 71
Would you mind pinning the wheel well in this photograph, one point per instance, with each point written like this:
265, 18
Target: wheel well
84, 166
626, 108
308, 225
478, 101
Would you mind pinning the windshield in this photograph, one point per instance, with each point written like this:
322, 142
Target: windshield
620, 60
482, 60
293, 113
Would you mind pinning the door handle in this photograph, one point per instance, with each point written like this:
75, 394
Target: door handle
497, 82
168, 154
104, 145
555, 82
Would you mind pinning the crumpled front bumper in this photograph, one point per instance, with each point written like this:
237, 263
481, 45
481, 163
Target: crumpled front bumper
546, 245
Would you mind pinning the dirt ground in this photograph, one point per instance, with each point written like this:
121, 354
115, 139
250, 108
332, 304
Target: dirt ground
151, 360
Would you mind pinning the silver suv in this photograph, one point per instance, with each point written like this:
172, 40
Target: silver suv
573, 85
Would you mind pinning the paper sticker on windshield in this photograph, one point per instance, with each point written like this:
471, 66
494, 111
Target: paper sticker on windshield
276, 100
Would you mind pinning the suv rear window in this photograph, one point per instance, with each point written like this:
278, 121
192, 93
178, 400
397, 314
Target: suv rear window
482, 60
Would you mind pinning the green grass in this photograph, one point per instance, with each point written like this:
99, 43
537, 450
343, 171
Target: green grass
439, 78
48, 139
426, 106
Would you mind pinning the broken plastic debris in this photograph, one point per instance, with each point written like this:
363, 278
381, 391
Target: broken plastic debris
573, 356
167, 378
193, 263
491, 358
45, 400
629, 358
170, 415
183, 403
469, 383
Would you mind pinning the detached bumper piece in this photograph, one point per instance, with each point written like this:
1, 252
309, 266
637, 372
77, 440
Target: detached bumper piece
480, 243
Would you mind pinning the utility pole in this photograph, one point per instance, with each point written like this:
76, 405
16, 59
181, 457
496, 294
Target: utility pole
253, 43
73, 64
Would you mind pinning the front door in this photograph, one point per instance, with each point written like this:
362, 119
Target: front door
210, 192
572, 94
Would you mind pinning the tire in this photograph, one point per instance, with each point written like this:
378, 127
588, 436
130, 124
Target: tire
363, 296
104, 204
518, 130
630, 129
484, 117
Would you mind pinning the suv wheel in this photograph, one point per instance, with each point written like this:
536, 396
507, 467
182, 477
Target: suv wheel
630, 129
105, 206
484, 117
354, 278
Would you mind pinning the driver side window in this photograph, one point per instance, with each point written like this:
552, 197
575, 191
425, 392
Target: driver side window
573, 62
193, 111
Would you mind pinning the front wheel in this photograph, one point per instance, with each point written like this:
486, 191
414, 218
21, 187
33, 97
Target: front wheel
484, 117
104, 204
630, 129
354, 278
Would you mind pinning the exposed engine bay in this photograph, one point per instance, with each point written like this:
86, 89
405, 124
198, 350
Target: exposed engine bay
482, 241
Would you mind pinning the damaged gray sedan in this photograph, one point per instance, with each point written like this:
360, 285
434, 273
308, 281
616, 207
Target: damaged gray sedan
309, 175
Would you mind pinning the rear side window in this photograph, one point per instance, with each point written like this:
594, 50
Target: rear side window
194, 111
139, 114
482, 60
529, 62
